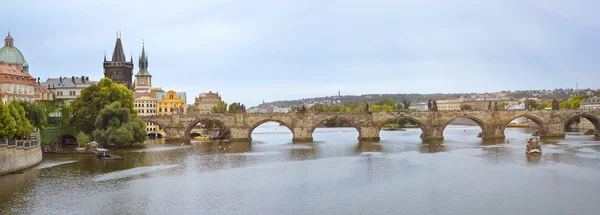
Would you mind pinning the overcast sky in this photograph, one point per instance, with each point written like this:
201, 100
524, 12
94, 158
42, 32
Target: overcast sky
269, 50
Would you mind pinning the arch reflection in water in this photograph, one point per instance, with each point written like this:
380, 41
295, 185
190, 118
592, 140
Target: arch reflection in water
221, 146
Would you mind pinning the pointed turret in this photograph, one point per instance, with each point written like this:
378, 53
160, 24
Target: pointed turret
143, 63
118, 54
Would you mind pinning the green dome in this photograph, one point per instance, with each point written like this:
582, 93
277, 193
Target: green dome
11, 55
8, 37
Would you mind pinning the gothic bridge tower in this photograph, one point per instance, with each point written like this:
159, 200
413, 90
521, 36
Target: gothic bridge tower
119, 69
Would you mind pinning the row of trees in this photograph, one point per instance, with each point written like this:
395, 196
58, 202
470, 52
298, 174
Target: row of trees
387, 105
20, 118
566, 104
222, 107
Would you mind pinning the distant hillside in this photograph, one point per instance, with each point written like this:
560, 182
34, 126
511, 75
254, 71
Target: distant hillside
418, 98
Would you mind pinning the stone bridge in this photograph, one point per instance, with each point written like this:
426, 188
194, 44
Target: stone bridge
551, 123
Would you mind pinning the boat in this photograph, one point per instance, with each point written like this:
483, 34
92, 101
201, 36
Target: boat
533, 145
102, 152
201, 138
394, 129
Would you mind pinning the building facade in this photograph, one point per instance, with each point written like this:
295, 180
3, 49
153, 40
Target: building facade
589, 104
119, 69
143, 79
206, 101
15, 81
170, 104
146, 106
67, 89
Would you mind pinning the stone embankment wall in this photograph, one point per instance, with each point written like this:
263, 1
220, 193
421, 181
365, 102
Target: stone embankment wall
14, 158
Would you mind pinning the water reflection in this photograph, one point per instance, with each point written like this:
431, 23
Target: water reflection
432, 148
336, 174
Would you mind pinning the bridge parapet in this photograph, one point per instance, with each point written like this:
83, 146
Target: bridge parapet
302, 125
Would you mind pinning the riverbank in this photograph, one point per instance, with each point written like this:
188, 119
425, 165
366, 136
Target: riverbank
18, 157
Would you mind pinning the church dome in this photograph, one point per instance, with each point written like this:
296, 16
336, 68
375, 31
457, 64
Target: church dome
10, 54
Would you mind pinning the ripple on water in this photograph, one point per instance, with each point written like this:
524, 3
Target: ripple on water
132, 172
48, 164
158, 149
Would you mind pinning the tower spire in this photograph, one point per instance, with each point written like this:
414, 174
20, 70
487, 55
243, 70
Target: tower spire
118, 55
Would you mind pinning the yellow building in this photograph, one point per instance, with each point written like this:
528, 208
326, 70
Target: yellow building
170, 104
449, 104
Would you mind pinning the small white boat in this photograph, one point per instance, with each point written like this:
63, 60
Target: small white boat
533, 145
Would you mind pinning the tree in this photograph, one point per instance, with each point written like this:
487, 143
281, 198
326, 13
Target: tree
24, 127
82, 139
34, 113
116, 124
8, 125
221, 107
94, 98
191, 109
406, 104
317, 108
466, 107
530, 104
233, 108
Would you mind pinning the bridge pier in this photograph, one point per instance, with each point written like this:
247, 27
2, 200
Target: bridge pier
432, 132
302, 134
240, 134
368, 133
175, 134
554, 130
492, 131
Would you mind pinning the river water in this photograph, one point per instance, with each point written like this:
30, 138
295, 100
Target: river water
334, 175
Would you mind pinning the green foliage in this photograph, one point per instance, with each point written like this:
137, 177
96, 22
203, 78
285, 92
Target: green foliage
24, 127
116, 124
8, 125
233, 108
406, 104
82, 139
572, 103
530, 104
94, 98
543, 106
221, 107
34, 113
466, 107
191, 109
316, 108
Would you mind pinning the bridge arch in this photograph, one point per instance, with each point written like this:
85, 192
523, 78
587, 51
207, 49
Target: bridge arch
593, 119
320, 121
475, 119
419, 123
281, 122
155, 123
193, 124
543, 128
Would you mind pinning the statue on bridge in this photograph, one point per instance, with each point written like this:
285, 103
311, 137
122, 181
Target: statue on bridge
368, 108
555, 105
242, 108
496, 106
432, 105
302, 110
489, 107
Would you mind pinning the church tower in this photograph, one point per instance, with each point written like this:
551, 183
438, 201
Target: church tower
119, 69
143, 79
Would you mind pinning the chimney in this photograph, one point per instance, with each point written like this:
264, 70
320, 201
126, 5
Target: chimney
60, 79
87, 78
73, 79
82, 79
